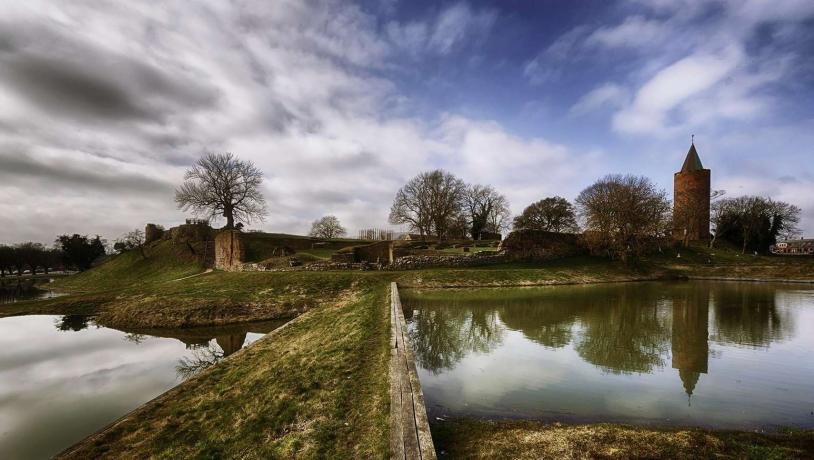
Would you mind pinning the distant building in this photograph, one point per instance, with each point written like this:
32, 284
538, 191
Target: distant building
801, 247
691, 198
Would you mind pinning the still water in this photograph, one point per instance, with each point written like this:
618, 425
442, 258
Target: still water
18, 290
720, 355
63, 377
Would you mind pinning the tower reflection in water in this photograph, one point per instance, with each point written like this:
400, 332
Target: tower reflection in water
621, 329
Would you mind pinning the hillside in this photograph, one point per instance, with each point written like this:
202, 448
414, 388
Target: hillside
164, 261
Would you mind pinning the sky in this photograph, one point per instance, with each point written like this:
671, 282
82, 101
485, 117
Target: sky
105, 104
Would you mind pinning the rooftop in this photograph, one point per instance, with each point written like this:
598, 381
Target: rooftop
692, 162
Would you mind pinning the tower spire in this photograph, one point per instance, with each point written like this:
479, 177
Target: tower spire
693, 161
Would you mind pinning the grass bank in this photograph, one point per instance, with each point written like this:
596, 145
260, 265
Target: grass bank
169, 288
318, 388
535, 440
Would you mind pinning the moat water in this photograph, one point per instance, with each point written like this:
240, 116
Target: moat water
711, 354
63, 377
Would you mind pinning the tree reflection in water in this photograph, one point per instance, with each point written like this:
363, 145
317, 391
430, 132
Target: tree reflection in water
442, 336
201, 358
74, 323
620, 328
747, 315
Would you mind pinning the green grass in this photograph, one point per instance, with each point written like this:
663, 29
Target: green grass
319, 253
316, 389
164, 262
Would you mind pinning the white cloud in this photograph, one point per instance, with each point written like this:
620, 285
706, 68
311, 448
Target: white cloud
452, 28
458, 22
635, 31
546, 66
673, 85
608, 95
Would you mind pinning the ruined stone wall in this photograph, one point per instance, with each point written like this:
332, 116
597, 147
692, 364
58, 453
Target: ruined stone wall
152, 232
189, 233
542, 245
380, 252
691, 204
230, 250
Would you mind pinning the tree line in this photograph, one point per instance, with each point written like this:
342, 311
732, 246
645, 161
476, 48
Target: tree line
620, 215
69, 252
436, 203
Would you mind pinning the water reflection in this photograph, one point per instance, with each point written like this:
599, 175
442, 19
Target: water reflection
631, 331
690, 338
19, 289
209, 345
64, 377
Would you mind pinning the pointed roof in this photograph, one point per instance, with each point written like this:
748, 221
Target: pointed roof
692, 162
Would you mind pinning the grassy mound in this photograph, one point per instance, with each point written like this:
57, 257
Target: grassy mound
164, 261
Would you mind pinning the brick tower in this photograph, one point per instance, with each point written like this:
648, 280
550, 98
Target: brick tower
691, 199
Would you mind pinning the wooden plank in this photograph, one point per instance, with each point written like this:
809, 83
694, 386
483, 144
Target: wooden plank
396, 421
409, 420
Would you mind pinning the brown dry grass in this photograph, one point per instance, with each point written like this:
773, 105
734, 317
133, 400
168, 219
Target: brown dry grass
535, 440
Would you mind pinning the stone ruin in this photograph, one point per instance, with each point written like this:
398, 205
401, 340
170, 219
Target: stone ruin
230, 250
542, 245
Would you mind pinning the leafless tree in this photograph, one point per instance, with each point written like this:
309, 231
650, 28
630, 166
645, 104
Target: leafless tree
219, 184
487, 210
133, 240
553, 214
200, 360
429, 203
327, 227
623, 214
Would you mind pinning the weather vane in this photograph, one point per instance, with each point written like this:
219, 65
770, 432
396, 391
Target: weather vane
692, 138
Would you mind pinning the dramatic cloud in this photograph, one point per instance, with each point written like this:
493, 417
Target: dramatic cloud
339, 103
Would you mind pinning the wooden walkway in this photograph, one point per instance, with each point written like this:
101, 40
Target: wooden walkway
409, 429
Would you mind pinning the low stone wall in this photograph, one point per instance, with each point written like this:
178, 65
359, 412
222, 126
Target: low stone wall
542, 245
451, 261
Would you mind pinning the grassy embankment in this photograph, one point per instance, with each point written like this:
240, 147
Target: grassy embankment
318, 388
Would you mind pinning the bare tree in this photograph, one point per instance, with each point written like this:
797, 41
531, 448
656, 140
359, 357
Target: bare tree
553, 214
623, 213
133, 240
219, 184
327, 227
429, 203
717, 210
488, 210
